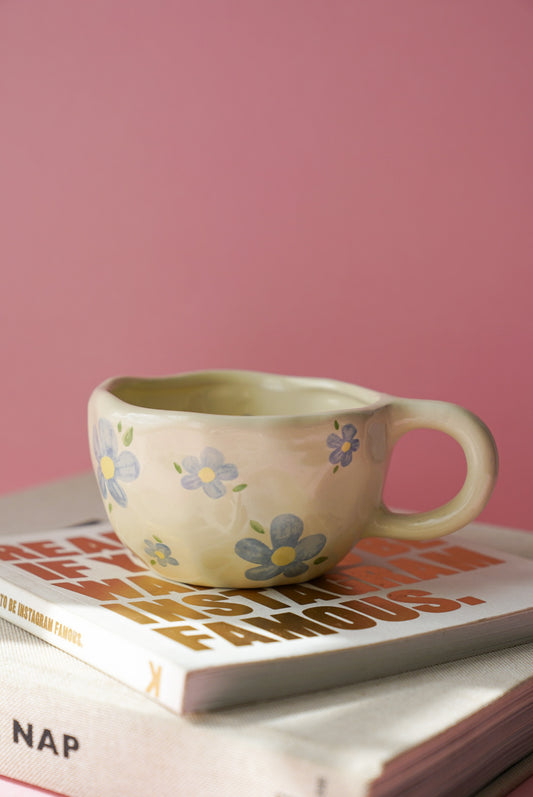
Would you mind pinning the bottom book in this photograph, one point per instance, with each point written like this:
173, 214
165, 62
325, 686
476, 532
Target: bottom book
448, 729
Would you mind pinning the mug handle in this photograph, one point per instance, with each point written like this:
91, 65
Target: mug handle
482, 469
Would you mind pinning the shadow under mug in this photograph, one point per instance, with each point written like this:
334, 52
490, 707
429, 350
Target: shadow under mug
245, 479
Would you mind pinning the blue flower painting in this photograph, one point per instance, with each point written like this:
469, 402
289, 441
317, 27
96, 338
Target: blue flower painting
344, 445
288, 553
208, 471
160, 553
112, 467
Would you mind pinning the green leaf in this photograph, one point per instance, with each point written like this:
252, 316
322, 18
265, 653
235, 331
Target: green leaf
128, 436
110, 507
156, 538
178, 467
257, 527
239, 487
119, 426
152, 561
335, 469
336, 424
320, 560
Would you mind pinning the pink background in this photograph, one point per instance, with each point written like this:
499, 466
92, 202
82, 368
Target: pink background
337, 188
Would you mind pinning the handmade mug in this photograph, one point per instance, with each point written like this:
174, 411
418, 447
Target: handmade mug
244, 479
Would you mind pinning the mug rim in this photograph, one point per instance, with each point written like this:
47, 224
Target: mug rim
365, 399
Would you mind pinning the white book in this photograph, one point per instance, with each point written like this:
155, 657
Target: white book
446, 729
388, 607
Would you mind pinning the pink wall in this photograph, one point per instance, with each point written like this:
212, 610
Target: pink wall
331, 187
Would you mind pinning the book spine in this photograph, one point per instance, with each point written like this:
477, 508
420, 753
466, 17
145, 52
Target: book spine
78, 636
81, 744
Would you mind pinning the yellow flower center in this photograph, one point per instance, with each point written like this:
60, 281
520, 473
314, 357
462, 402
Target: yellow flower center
283, 556
206, 475
346, 446
108, 467
159, 553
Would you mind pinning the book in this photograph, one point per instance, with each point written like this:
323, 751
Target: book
389, 606
449, 729
452, 728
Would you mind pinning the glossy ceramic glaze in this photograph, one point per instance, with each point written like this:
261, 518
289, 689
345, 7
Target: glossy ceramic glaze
243, 479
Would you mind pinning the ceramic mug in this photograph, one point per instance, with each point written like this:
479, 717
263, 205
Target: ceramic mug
244, 479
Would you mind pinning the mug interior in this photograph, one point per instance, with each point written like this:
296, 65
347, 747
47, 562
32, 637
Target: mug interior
241, 393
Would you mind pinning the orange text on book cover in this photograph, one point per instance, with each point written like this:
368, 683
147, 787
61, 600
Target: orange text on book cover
374, 584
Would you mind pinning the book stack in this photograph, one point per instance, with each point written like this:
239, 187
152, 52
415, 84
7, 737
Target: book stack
402, 672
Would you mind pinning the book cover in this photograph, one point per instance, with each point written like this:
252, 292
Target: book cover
389, 606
